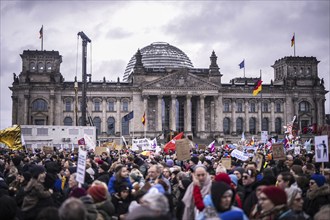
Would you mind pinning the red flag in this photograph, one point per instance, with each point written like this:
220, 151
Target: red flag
257, 88
81, 141
171, 144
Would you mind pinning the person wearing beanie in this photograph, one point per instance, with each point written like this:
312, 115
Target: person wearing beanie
36, 197
238, 171
103, 172
78, 192
272, 201
169, 163
102, 199
219, 203
317, 195
122, 200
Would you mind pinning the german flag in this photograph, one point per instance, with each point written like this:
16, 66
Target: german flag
292, 41
143, 120
257, 88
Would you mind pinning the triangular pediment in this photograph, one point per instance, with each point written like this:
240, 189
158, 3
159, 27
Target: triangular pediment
181, 80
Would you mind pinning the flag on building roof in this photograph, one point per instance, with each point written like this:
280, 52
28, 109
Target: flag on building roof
257, 87
143, 120
241, 65
292, 41
41, 32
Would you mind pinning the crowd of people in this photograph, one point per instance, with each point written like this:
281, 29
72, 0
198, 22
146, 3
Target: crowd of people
123, 184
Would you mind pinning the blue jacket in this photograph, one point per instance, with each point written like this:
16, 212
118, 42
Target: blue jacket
112, 183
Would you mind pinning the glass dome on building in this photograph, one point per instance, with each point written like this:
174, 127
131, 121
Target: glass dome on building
159, 55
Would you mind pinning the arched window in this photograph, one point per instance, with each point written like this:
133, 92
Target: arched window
40, 67
97, 105
32, 66
39, 105
97, 124
252, 125
226, 126
304, 106
278, 125
265, 124
48, 67
125, 106
239, 125
111, 106
67, 121
111, 126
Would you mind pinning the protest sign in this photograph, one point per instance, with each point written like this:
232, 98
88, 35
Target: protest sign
81, 166
141, 144
264, 136
226, 162
182, 149
258, 159
47, 149
321, 149
278, 152
239, 155
100, 150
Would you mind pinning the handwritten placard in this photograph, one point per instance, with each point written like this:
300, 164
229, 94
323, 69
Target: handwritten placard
182, 149
278, 152
226, 162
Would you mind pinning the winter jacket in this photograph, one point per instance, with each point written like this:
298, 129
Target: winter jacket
112, 185
316, 199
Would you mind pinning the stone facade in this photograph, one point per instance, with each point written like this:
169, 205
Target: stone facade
173, 99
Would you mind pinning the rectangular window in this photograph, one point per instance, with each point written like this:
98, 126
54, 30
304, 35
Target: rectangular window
265, 107
27, 131
125, 106
252, 107
39, 122
226, 107
239, 107
97, 106
111, 106
68, 106
42, 131
278, 107
73, 131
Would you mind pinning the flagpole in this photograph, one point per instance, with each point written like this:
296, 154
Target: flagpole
244, 67
261, 103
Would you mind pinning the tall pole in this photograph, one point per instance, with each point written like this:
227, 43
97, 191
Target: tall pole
244, 67
261, 102
76, 100
294, 45
85, 40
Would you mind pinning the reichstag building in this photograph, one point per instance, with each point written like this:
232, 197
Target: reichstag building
161, 82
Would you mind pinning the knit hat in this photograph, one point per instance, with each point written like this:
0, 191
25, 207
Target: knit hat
169, 163
218, 189
36, 170
234, 179
78, 192
123, 187
105, 166
98, 193
319, 179
275, 194
240, 170
223, 177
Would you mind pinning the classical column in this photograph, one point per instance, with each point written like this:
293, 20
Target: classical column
216, 114
58, 106
233, 115
51, 110
159, 113
173, 113
14, 110
246, 113
202, 113
187, 120
118, 120
220, 119
26, 109
272, 117
104, 115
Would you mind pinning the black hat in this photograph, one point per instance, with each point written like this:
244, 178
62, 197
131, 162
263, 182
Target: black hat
105, 166
194, 160
36, 170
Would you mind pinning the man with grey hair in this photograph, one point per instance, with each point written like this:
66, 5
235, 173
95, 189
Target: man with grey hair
72, 209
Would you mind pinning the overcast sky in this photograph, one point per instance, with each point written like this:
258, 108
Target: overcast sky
258, 31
